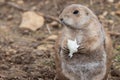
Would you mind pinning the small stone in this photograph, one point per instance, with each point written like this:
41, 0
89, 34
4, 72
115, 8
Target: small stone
105, 13
4, 67
117, 12
47, 2
112, 13
52, 37
101, 16
13, 50
20, 2
9, 17
110, 1
50, 46
2, 1
111, 21
34, 8
32, 21
54, 24
13, 0
39, 53
41, 47
40, 79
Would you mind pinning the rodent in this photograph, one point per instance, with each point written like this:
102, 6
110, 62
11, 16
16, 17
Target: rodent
93, 59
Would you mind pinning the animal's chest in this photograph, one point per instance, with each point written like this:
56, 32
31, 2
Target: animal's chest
78, 38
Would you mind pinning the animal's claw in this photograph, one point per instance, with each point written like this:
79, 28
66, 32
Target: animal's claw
66, 50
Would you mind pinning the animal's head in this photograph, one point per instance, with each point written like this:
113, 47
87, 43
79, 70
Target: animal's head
76, 15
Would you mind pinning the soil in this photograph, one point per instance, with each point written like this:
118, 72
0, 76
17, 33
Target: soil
29, 55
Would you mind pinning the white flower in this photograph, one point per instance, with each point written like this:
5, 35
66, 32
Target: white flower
72, 46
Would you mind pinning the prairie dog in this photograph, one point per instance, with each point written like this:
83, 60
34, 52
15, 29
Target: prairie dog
92, 60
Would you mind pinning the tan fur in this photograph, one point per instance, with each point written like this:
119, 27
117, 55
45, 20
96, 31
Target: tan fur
93, 58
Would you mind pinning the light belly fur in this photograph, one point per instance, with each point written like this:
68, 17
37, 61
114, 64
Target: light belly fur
83, 71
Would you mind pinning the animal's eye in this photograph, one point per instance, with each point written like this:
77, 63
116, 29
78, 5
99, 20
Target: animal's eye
76, 12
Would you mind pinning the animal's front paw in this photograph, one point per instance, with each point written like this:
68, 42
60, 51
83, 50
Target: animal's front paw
65, 50
82, 50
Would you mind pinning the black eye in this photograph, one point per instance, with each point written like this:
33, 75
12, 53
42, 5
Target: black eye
76, 12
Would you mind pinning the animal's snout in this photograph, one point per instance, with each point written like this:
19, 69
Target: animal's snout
61, 19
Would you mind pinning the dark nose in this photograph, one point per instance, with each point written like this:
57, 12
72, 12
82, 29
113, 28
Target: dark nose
61, 19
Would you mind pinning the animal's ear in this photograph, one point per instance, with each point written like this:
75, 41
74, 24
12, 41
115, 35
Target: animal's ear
86, 12
89, 12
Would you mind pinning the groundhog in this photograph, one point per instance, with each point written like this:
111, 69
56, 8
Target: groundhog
91, 45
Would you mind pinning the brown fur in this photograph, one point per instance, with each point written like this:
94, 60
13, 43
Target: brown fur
110, 55
94, 44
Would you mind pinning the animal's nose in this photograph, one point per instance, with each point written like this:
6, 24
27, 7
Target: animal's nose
61, 19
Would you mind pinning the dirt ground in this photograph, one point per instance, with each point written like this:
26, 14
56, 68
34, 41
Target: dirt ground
29, 55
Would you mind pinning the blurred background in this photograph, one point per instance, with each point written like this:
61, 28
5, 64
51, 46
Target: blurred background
29, 28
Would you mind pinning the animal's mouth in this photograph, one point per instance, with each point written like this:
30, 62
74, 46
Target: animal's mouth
64, 23
67, 25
